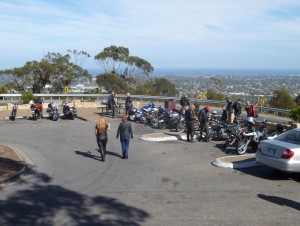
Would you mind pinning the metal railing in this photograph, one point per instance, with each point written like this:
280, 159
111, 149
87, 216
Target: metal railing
142, 98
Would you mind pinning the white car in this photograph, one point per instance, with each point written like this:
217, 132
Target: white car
282, 152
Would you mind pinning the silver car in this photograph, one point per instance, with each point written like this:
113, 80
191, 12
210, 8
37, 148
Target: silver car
282, 152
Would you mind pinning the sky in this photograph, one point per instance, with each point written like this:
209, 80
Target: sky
167, 33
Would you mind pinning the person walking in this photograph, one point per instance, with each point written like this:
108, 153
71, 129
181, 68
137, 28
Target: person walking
101, 129
203, 119
128, 103
190, 123
125, 133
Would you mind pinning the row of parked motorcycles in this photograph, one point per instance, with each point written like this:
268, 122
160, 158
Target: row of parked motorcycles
52, 110
241, 134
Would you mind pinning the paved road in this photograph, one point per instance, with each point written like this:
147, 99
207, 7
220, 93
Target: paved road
169, 183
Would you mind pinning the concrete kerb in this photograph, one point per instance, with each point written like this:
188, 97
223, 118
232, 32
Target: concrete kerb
25, 161
163, 137
236, 162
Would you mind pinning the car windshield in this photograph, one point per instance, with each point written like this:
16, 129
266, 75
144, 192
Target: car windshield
292, 136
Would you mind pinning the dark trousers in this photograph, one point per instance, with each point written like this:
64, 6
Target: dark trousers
126, 110
190, 131
114, 111
203, 127
125, 144
102, 145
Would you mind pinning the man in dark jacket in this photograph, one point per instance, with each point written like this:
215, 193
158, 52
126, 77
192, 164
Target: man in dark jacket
237, 109
125, 133
128, 103
203, 119
185, 103
190, 124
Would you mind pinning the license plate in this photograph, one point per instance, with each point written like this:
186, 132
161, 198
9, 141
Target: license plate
271, 151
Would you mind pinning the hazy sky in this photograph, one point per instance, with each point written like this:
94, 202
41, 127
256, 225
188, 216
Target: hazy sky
166, 33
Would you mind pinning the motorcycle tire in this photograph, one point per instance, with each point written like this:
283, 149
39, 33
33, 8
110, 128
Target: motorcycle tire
180, 127
154, 120
241, 147
143, 119
55, 117
71, 117
132, 117
221, 133
209, 135
162, 125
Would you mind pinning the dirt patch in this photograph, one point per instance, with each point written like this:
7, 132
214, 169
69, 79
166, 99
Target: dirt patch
10, 163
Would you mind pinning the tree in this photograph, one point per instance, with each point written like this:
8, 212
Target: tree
112, 81
282, 99
54, 69
295, 114
117, 60
156, 87
213, 95
297, 100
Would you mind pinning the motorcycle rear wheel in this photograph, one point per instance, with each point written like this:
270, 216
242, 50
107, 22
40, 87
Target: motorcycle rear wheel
181, 127
241, 147
143, 120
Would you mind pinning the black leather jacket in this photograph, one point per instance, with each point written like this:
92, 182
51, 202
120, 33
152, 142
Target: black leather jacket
125, 130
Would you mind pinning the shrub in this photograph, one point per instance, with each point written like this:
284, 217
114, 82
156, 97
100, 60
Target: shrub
27, 96
295, 114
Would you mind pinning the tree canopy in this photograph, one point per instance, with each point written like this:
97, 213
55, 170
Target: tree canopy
54, 69
112, 82
156, 87
117, 60
282, 99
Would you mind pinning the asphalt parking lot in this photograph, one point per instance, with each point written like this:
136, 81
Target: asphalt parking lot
162, 183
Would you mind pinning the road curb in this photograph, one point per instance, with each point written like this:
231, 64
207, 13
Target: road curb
27, 164
234, 162
164, 137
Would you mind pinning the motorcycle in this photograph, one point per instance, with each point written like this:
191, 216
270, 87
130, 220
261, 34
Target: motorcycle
36, 110
173, 120
234, 135
53, 112
251, 136
14, 112
69, 112
149, 112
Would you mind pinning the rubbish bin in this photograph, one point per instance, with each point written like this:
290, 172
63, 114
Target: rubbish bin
170, 104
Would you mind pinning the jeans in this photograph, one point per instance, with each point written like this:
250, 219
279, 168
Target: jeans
114, 111
125, 144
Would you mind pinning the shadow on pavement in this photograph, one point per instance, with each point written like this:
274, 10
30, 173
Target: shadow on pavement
88, 155
280, 201
48, 204
269, 173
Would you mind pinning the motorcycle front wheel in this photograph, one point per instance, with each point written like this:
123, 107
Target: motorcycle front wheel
209, 135
241, 147
154, 120
180, 127
132, 117
55, 117
143, 119
162, 125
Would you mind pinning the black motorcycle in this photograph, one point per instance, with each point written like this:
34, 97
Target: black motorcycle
53, 112
173, 120
69, 112
14, 112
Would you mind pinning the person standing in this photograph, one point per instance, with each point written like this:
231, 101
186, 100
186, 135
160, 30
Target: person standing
229, 108
101, 129
185, 103
128, 103
203, 119
237, 109
190, 123
125, 133
114, 105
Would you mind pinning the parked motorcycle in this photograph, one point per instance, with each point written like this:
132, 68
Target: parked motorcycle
251, 136
14, 112
69, 112
53, 112
36, 110
234, 135
149, 112
174, 120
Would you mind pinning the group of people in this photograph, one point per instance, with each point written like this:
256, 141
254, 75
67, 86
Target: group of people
124, 132
112, 103
231, 113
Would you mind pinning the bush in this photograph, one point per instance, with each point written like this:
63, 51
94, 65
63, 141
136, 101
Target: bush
295, 114
27, 96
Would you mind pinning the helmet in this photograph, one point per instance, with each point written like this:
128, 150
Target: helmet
263, 122
207, 108
214, 112
251, 120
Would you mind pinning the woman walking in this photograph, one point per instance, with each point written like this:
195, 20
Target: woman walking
125, 133
101, 133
